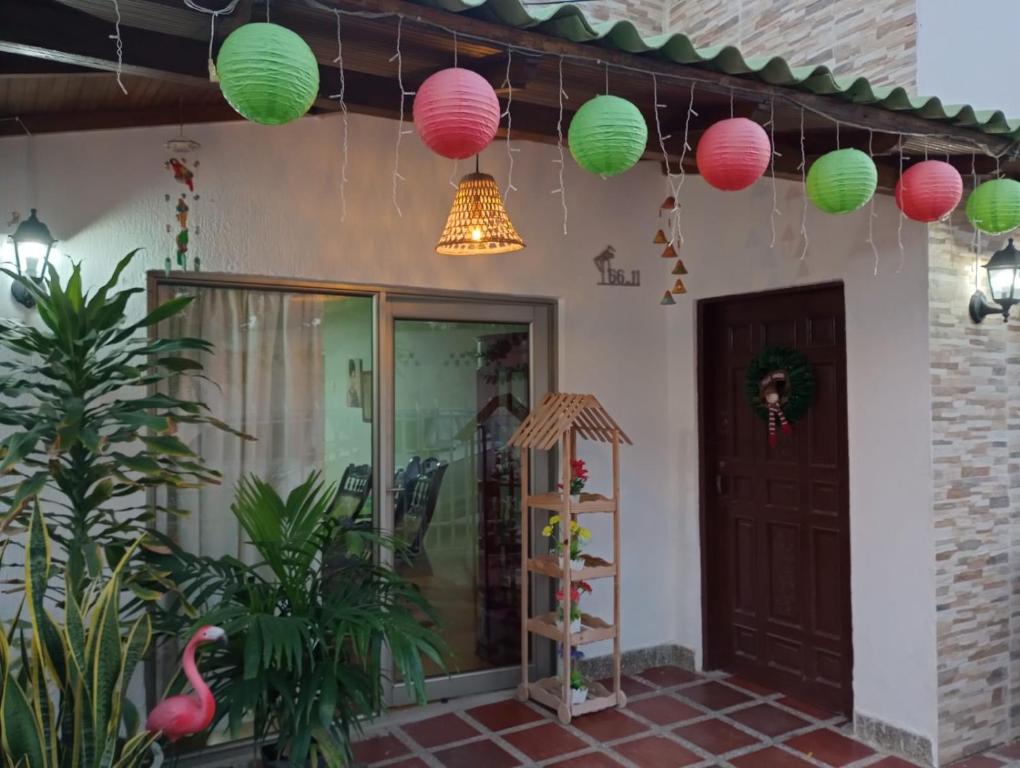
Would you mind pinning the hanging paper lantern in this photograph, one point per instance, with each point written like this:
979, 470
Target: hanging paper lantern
842, 181
733, 154
929, 190
607, 135
456, 113
267, 73
994, 206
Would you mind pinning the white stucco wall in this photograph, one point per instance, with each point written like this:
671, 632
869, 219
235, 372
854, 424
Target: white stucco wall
966, 52
270, 206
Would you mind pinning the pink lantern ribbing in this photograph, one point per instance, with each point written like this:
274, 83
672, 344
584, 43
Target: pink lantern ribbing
929, 190
456, 113
733, 153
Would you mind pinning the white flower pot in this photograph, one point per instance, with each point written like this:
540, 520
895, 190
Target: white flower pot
576, 563
575, 625
578, 695
575, 498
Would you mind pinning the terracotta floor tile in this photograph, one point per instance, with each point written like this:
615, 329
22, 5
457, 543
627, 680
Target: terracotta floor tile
769, 720
749, 685
630, 686
477, 753
667, 676
436, 731
656, 752
830, 747
609, 724
413, 762
664, 710
713, 695
379, 748
893, 762
588, 760
980, 761
715, 736
504, 714
773, 757
808, 709
545, 741
1010, 751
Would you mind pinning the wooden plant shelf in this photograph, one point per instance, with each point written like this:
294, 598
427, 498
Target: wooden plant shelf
557, 423
590, 502
549, 691
594, 568
593, 629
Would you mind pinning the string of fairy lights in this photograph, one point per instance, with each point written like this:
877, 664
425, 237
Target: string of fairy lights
674, 179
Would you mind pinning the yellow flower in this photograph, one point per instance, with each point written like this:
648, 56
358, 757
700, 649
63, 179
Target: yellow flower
547, 531
554, 520
584, 533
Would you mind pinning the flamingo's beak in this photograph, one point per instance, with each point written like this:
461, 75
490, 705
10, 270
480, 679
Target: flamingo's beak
222, 640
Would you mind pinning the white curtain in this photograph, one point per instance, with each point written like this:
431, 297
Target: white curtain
266, 379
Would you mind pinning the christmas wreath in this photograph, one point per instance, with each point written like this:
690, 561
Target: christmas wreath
780, 386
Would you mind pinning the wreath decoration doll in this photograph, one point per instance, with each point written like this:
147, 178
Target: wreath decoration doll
780, 386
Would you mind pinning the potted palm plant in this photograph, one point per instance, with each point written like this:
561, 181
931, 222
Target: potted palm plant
307, 622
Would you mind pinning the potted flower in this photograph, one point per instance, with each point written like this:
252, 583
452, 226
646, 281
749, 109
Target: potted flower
578, 477
578, 681
579, 536
576, 591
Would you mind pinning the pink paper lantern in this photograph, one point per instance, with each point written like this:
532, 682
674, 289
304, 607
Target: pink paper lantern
733, 153
929, 190
456, 113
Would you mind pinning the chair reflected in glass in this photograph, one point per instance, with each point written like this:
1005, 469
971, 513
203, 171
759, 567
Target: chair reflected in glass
414, 505
353, 492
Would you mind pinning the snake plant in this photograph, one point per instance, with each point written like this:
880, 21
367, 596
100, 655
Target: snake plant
63, 683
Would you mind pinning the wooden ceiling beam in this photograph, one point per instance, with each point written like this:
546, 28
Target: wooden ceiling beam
118, 118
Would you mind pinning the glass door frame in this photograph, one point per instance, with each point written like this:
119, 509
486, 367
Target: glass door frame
540, 317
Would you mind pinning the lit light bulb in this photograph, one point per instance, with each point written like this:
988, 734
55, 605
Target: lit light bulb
476, 234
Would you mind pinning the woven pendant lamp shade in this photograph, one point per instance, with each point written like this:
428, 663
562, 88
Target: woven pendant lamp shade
994, 207
842, 181
733, 154
929, 190
267, 73
607, 135
478, 223
456, 113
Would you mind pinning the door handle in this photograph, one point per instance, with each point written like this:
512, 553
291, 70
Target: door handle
719, 484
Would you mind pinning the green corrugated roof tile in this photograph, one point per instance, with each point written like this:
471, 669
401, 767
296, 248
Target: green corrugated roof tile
569, 22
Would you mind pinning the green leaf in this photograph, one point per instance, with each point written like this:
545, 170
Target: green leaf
22, 732
165, 310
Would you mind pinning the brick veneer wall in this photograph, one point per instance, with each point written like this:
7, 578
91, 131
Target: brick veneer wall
649, 16
876, 39
976, 503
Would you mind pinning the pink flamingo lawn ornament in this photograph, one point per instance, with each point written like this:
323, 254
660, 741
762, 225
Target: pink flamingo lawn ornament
186, 714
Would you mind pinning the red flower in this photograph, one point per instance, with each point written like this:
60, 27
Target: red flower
578, 470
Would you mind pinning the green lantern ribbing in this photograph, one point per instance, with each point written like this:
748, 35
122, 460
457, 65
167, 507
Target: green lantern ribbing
842, 181
994, 206
267, 73
607, 136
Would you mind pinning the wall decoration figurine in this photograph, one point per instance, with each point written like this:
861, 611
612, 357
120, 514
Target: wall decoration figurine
780, 387
188, 714
181, 172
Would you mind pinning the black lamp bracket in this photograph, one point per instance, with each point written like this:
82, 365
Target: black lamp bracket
980, 308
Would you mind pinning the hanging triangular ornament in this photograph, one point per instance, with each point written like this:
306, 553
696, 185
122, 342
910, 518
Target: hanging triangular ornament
660, 238
680, 269
679, 287
668, 204
669, 252
667, 298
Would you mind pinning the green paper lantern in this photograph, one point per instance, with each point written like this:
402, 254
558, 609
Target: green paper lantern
842, 181
267, 73
994, 206
607, 135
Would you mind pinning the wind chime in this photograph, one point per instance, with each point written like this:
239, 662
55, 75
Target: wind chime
182, 169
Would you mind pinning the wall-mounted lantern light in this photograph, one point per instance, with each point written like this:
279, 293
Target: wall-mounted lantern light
1003, 284
32, 246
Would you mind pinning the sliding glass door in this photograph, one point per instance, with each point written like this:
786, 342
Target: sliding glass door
405, 402
464, 375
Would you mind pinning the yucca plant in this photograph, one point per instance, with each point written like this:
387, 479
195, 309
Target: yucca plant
63, 685
307, 622
84, 430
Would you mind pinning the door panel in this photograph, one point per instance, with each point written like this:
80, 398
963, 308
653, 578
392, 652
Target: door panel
776, 517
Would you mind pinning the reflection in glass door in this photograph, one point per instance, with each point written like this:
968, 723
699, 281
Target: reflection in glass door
460, 389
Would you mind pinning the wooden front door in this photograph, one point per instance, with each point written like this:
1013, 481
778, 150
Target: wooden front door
775, 522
